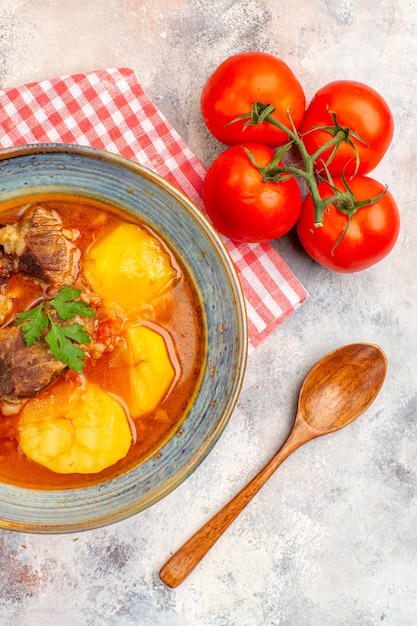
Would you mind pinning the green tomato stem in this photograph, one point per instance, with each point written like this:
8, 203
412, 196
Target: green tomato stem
307, 174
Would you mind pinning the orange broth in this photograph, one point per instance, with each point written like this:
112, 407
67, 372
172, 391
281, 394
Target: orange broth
178, 312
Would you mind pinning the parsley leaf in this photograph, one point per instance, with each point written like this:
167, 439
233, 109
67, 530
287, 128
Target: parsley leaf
36, 322
67, 306
75, 332
60, 338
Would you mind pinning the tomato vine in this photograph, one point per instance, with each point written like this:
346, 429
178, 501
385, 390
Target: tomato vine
344, 201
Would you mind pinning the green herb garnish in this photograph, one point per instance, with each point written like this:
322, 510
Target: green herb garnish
60, 338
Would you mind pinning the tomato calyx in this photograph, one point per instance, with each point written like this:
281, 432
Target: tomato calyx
273, 172
346, 203
340, 134
258, 114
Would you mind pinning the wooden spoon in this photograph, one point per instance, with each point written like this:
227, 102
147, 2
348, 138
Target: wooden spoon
338, 389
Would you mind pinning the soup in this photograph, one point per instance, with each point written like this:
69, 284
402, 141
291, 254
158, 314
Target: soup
101, 343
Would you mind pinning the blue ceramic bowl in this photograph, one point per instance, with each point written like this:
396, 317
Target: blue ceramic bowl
93, 174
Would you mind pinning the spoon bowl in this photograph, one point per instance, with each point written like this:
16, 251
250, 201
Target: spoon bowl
337, 390
341, 386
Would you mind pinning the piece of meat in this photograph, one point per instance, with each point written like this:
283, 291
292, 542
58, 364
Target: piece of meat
24, 370
48, 255
6, 266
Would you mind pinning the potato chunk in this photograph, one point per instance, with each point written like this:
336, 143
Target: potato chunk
151, 369
75, 430
129, 267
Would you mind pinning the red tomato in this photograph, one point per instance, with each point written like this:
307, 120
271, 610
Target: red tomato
241, 205
242, 80
370, 236
105, 330
357, 107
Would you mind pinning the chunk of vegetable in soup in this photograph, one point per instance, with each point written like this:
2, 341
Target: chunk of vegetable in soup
128, 267
75, 429
151, 371
140, 365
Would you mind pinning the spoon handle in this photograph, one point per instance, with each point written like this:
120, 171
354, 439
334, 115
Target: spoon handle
182, 562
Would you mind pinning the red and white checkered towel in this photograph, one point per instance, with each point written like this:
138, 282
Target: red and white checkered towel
108, 110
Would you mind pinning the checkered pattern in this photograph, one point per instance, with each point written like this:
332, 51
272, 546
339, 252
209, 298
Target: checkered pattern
108, 110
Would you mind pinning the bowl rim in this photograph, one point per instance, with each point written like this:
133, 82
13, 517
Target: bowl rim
241, 356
